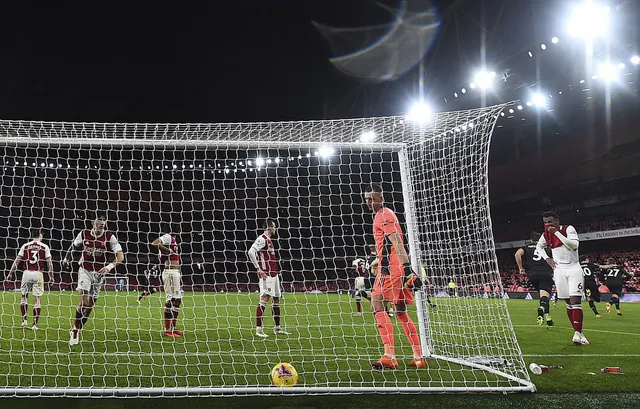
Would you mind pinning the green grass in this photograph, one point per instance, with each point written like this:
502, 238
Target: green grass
122, 345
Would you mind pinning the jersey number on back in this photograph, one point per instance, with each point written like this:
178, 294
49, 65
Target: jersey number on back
586, 271
536, 255
34, 257
613, 272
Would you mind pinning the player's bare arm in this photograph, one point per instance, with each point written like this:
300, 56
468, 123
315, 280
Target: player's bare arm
68, 258
164, 249
50, 268
375, 267
14, 267
519, 257
109, 267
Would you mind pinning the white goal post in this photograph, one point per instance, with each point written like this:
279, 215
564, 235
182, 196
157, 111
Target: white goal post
214, 185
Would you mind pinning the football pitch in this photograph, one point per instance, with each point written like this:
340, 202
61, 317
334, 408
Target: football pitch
122, 345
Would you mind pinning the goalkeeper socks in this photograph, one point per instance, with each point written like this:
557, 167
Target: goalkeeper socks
592, 305
410, 331
385, 329
259, 314
358, 305
275, 310
544, 303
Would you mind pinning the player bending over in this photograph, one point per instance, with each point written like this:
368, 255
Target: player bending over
393, 282
263, 257
93, 266
34, 255
567, 274
169, 254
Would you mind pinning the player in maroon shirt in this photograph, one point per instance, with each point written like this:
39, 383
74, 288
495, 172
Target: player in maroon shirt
170, 258
34, 254
94, 264
263, 256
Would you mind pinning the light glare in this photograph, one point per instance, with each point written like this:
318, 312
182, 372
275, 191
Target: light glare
589, 20
420, 112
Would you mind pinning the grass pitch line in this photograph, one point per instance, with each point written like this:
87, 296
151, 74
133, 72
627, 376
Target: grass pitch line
581, 355
587, 330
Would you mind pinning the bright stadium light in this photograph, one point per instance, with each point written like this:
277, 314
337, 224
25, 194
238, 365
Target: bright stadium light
484, 79
608, 71
325, 151
419, 113
589, 20
635, 60
259, 162
367, 136
539, 100
554, 40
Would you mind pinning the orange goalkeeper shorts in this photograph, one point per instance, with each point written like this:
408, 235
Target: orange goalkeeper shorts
392, 289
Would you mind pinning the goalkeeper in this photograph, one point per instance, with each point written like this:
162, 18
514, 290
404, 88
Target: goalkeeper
394, 282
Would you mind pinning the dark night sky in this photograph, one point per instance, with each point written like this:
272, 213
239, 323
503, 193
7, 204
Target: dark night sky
226, 61
245, 61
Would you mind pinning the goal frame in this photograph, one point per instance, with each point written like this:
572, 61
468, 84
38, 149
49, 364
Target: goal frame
400, 148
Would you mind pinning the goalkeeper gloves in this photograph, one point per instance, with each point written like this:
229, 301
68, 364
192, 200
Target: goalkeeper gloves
411, 279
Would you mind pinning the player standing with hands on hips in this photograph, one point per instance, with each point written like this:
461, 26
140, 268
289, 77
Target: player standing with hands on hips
567, 273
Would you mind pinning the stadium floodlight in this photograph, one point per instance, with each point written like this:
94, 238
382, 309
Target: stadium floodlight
484, 79
635, 60
469, 339
589, 20
555, 40
420, 112
543, 46
539, 100
367, 136
326, 151
608, 71
472, 85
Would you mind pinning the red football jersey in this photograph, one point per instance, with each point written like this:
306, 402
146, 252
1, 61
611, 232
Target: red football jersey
266, 255
361, 267
171, 242
34, 255
95, 249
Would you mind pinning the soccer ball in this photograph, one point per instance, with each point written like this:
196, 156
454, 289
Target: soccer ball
284, 375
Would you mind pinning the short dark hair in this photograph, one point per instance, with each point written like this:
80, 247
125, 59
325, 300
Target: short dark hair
535, 236
99, 215
268, 222
611, 260
550, 214
35, 233
584, 259
373, 248
373, 187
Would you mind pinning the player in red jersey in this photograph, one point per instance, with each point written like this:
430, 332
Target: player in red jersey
170, 258
34, 255
393, 282
263, 256
93, 266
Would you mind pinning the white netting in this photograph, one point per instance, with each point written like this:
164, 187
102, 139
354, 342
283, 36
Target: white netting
214, 184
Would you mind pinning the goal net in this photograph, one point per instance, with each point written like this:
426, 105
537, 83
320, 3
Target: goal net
216, 184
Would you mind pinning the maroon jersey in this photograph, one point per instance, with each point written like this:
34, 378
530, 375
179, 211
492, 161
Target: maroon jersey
552, 240
266, 255
95, 249
170, 241
34, 255
360, 266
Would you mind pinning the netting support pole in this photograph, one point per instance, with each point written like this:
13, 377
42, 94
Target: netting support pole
414, 248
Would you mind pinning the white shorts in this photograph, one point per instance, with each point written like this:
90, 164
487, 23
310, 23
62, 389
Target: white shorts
90, 282
360, 284
569, 280
32, 282
171, 281
270, 286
